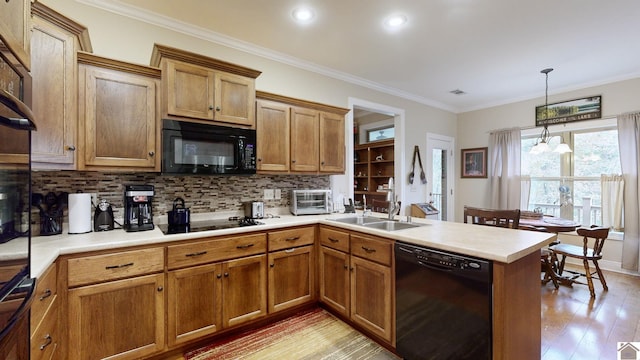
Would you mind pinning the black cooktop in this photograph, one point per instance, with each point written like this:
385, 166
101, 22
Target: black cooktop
207, 225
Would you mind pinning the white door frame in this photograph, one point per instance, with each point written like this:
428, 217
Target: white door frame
433, 139
342, 185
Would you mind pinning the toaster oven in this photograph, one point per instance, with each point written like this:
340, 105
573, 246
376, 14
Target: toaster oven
310, 202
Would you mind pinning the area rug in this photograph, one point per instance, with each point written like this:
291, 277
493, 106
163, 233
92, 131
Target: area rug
312, 334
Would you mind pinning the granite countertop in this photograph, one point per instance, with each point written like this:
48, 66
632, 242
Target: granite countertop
497, 244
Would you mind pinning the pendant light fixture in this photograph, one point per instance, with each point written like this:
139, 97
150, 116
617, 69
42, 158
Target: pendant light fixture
542, 143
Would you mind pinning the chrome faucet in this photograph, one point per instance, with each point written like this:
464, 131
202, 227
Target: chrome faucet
365, 212
394, 207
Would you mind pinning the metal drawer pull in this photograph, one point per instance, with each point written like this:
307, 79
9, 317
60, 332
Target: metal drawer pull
46, 294
368, 250
334, 240
47, 341
118, 266
196, 254
293, 238
290, 250
244, 246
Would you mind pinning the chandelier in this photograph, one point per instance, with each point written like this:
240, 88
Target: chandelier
542, 143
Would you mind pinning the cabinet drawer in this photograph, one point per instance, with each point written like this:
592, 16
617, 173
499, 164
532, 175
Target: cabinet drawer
334, 238
100, 268
378, 250
289, 238
45, 338
44, 295
212, 249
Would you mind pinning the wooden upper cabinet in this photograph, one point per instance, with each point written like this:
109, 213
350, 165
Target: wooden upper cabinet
202, 88
332, 147
118, 108
15, 29
54, 42
299, 136
272, 129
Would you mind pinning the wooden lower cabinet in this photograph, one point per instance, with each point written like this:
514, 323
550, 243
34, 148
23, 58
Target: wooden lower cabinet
334, 280
358, 284
291, 277
204, 299
194, 302
122, 319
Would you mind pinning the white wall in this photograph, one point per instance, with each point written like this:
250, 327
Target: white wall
131, 40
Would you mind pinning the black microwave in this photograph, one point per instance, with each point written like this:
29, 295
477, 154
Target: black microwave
203, 149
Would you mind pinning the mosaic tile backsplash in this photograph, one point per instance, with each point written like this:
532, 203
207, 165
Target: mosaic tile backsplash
202, 194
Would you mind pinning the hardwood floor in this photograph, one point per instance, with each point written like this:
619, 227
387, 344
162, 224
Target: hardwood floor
575, 326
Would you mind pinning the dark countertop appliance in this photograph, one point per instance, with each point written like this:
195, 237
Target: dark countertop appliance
103, 217
443, 304
138, 212
179, 215
208, 225
194, 148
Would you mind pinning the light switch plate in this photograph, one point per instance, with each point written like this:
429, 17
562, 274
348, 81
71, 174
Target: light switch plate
268, 194
278, 194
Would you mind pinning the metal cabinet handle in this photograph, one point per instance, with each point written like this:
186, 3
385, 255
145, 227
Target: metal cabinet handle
288, 251
294, 238
196, 254
293, 161
368, 250
321, 162
46, 294
47, 341
226, 274
160, 288
346, 266
272, 265
244, 246
71, 148
219, 276
210, 107
217, 108
152, 153
333, 240
118, 266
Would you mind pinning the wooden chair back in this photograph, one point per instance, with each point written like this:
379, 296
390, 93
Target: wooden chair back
599, 235
492, 217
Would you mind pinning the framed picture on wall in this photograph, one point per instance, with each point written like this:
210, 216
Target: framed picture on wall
474, 163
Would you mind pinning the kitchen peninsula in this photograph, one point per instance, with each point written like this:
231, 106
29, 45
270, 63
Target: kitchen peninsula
151, 259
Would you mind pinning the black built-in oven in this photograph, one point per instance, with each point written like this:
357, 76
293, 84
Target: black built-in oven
196, 148
16, 285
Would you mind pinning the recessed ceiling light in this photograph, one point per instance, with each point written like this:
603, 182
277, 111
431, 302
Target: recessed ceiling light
396, 21
303, 14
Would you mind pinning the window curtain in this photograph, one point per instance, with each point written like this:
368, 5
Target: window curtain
629, 140
504, 173
525, 192
612, 201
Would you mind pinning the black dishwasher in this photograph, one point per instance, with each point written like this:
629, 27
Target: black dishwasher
443, 304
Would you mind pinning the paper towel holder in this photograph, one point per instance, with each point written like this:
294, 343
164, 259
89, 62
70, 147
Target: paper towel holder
80, 213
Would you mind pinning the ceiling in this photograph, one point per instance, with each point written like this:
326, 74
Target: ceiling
493, 50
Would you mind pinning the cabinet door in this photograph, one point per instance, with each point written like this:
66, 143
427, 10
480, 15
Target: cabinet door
291, 277
272, 128
304, 139
371, 296
235, 98
189, 90
244, 290
118, 116
15, 29
54, 96
334, 279
332, 150
194, 301
120, 319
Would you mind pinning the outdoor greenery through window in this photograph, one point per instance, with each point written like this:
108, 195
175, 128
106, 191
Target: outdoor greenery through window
568, 185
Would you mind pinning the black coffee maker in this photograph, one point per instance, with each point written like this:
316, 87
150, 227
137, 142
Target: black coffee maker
138, 214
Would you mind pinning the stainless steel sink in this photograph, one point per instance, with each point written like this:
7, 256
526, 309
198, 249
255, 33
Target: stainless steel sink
391, 225
359, 220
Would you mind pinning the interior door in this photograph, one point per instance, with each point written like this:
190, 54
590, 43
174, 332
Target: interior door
440, 174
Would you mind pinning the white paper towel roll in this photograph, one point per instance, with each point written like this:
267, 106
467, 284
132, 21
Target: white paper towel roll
79, 213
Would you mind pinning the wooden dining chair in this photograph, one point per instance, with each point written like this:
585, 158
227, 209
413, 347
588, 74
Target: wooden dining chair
587, 252
492, 217
547, 263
